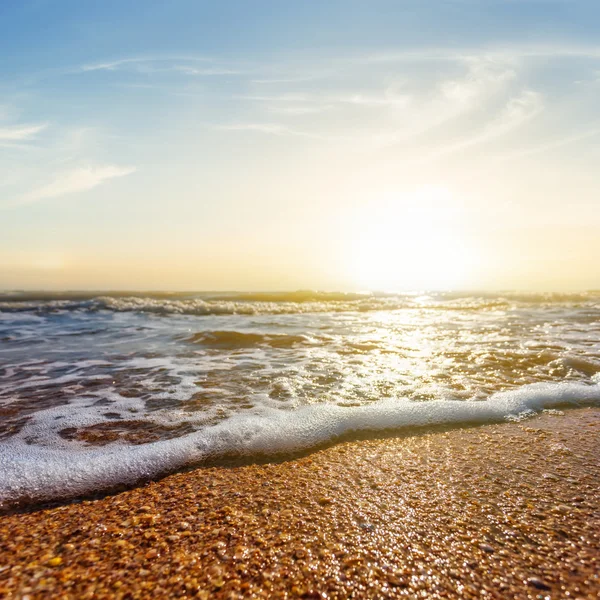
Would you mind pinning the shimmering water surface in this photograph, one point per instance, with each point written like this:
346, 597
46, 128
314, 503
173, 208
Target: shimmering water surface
151, 382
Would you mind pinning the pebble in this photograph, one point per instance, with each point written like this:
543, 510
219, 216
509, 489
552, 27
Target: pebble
537, 583
55, 561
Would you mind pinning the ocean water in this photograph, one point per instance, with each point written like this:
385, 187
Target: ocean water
97, 391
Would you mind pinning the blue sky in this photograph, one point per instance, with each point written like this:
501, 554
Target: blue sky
198, 145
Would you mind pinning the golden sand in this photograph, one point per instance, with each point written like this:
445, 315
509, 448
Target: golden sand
500, 511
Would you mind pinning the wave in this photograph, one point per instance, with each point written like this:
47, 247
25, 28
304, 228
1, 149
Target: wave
237, 339
197, 306
282, 303
35, 474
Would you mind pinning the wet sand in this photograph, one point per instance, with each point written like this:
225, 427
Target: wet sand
500, 511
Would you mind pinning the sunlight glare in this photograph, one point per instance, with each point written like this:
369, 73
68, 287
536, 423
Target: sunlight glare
410, 241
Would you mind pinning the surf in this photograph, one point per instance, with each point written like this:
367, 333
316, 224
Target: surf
35, 474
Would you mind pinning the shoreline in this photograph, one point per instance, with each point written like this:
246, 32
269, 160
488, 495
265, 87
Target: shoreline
494, 511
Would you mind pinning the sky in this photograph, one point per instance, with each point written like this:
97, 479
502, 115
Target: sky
269, 145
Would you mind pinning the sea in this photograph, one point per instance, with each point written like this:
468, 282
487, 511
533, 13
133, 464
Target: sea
105, 390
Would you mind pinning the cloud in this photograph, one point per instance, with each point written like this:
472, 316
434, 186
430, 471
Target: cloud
498, 53
299, 109
187, 70
76, 180
592, 131
287, 97
112, 65
20, 133
290, 103
483, 81
484, 78
160, 64
403, 109
434, 101
304, 104
275, 80
268, 128
517, 111
387, 98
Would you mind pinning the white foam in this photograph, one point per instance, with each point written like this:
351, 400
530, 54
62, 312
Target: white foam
35, 474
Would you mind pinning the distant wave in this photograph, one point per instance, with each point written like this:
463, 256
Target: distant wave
198, 307
278, 303
32, 474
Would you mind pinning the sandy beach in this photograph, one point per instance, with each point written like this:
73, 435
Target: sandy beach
499, 511
299, 300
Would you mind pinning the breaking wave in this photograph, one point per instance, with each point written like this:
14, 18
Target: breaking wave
33, 474
300, 302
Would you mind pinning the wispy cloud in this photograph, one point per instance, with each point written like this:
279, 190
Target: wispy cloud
267, 128
290, 103
484, 82
163, 64
492, 52
484, 78
187, 70
304, 104
278, 80
435, 101
19, 133
113, 64
285, 97
299, 109
73, 181
592, 131
517, 111
387, 98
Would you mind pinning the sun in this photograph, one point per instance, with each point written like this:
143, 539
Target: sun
410, 241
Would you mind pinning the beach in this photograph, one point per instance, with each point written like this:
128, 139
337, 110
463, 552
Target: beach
498, 511
102, 391
300, 300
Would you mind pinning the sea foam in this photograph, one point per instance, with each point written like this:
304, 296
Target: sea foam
33, 473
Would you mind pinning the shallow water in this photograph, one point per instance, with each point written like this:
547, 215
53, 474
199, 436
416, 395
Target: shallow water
96, 391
